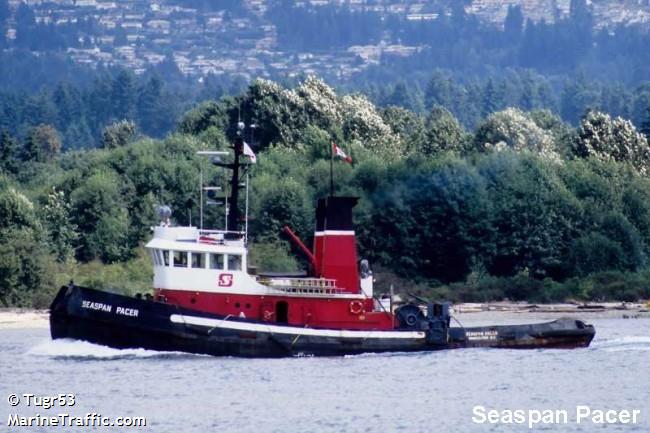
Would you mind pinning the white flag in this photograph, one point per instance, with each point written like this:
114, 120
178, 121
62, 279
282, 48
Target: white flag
249, 153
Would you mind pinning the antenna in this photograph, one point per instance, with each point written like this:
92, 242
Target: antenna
214, 156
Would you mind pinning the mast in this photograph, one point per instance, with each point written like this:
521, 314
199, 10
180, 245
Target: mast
231, 203
233, 214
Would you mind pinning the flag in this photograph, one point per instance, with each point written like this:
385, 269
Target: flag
339, 152
249, 153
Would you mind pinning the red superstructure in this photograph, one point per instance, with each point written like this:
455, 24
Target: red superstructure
207, 270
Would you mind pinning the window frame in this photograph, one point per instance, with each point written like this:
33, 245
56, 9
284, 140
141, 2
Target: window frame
239, 262
202, 260
212, 261
180, 265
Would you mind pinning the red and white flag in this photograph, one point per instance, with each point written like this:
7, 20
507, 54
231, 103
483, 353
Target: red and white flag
249, 153
339, 152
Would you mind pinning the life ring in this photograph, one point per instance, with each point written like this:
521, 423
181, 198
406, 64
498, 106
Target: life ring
268, 315
356, 307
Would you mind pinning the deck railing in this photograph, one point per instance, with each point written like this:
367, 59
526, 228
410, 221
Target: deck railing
303, 286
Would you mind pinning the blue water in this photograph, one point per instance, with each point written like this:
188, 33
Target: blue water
432, 392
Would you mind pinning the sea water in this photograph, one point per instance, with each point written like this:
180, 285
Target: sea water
422, 392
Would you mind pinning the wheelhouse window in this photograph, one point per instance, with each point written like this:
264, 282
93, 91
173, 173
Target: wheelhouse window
180, 259
216, 261
234, 262
155, 258
165, 255
198, 260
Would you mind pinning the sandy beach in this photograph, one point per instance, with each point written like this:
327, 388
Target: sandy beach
14, 318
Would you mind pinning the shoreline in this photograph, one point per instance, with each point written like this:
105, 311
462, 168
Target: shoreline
26, 318
23, 318
567, 308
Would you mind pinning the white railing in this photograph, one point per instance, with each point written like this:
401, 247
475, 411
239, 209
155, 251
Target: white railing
303, 286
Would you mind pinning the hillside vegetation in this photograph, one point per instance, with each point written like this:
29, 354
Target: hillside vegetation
524, 206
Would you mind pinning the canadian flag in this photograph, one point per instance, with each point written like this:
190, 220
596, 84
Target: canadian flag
339, 152
249, 153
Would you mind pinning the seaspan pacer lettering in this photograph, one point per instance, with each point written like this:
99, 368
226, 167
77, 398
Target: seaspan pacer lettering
205, 300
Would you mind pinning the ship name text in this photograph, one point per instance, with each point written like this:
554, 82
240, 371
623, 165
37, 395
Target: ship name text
106, 308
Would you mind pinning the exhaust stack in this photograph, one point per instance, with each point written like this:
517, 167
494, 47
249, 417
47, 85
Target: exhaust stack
335, 248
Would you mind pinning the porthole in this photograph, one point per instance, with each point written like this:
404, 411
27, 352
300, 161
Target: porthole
236, 304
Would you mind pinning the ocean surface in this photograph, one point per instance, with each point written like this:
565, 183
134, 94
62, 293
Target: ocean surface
432, 392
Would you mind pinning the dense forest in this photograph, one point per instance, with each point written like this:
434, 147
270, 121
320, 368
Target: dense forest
522, 206
79, 112
470, 67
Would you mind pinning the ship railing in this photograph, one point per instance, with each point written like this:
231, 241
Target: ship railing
218, 237
303, 286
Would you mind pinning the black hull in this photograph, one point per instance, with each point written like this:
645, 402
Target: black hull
124, 322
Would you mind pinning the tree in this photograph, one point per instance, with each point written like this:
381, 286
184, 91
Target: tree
645, 126
533, 215
437, 216
43, 144
124, 95
78, 135
68, 103
98, 211
8, 153
23, 257
61, 231
608, 139
118, 134
155, 113
407, 125
25, 24
441, 91
443, 132
512, 128
5, 12
514, 23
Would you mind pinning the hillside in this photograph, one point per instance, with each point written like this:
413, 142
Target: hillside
251, 39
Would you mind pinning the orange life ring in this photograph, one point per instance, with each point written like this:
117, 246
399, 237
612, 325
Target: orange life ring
356, 307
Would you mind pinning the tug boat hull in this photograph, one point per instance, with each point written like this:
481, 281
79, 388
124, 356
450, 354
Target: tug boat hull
124, 322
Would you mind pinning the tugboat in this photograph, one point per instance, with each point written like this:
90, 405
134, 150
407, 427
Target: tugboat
206, 300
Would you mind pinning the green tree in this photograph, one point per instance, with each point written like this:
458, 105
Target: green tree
514, 129
8, 153
124, 95
535, 216
62, 232
156, 112
23, 253
42, 144
645, 126
514, 22
436, 214
443, 132
407, 125
608, 139
118, 134
98, 211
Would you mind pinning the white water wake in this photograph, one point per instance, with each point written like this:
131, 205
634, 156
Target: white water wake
66, 348
627, 343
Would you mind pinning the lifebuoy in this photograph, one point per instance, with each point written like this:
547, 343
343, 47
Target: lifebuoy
356, 307
268, 315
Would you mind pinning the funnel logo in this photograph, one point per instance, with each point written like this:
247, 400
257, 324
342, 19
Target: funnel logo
225, 280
